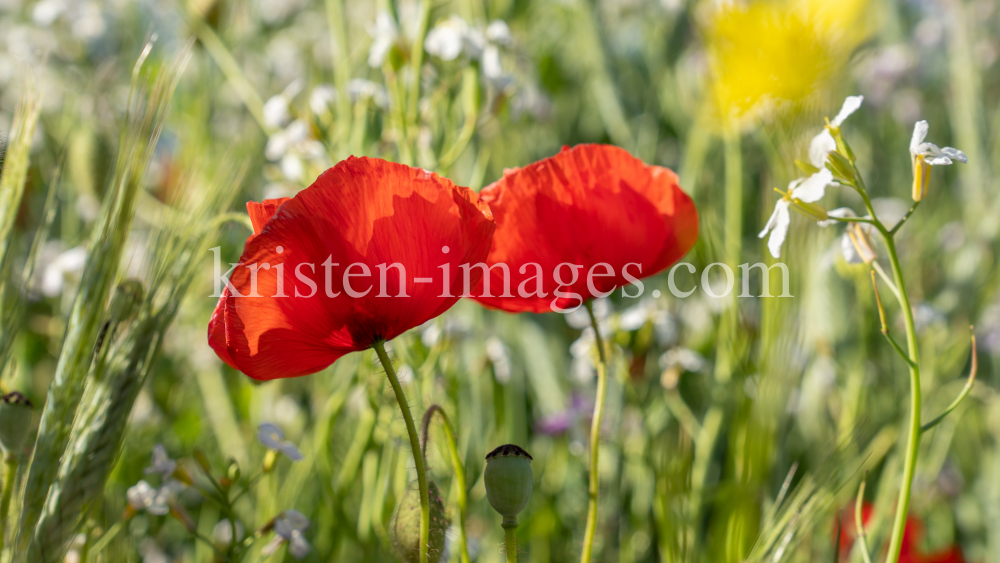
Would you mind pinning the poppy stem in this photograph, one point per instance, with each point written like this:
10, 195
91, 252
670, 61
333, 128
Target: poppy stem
595, 438
418, 458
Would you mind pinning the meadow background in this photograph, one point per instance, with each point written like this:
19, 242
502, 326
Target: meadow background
712, 403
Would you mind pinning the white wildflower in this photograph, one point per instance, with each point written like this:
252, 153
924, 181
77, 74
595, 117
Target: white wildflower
288, 527
384, 35
322, 99
924, 155
447, 39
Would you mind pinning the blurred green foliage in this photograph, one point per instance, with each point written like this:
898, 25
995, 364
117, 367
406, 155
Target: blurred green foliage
810, 383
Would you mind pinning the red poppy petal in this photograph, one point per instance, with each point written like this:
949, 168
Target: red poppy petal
261, 213
585, 206
361, 212
217, 331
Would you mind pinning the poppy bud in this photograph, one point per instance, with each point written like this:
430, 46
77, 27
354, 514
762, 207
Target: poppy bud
508, 481
15, 421
406, 527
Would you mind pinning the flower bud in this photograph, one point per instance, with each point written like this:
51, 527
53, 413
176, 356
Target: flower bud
814, 211
15, 422
841, 167
508, 481
921, 173
406, 527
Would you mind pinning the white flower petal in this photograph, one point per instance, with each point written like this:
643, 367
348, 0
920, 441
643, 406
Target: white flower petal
771, 221
840, 212
851, 105
780, 229
955, 154
814, 187
276, 112
919, 134
447, 39
378, 51
322, 99
491, 62
939, 160
820, 146
498, 32
299, 547
851, 255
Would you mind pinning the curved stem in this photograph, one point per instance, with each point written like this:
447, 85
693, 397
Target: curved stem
595, 439
418, 458
913, 441
510, 543
457, 467
10, 471
961, 396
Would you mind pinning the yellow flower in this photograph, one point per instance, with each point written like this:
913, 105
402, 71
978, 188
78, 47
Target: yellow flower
770, 52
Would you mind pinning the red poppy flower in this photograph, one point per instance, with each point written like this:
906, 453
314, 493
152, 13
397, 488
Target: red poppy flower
368, 251
579, 224
909, 550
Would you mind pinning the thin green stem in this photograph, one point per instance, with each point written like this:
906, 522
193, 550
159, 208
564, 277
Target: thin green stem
418, 458
853, 220
915, 431
897, 226
416, 62
10, 472
595, 439
885, 277
105, 539
457, 467
726, 354
227, 63
859, 524
961, 396
341, 73
510, 543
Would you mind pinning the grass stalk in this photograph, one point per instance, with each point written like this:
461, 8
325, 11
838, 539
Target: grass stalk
9, 475
146, 114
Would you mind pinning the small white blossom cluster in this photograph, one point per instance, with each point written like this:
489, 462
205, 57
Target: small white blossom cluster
293, 145
454, 36
158, 501
857, 242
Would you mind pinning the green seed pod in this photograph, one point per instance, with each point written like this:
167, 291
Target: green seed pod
15, 421
508, 481
406, 527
